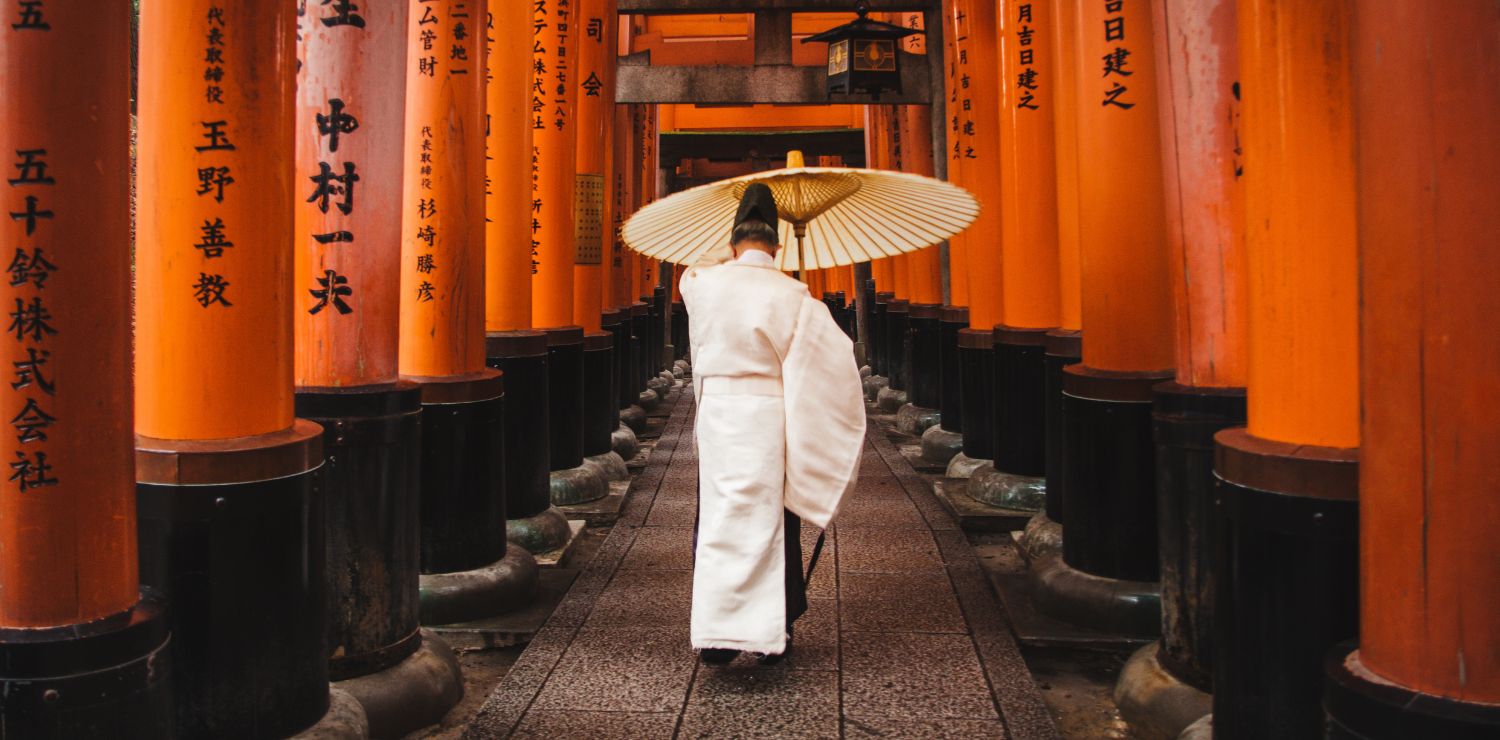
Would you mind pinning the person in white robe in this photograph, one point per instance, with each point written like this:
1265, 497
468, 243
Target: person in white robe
780, 429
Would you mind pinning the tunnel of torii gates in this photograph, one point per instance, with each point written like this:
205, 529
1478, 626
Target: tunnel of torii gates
1226, 323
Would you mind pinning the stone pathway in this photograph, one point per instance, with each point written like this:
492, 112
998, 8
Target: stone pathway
904, 637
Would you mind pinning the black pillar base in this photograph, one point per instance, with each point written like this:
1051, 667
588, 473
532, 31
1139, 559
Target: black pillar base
229, 532
617, 322
879, 336
1062, 348
600, 415
680, 339
1020, 401
463, 472
565, 395
897, 326
1186, 420
951, 320
976, 369
522, 357
1285, 573
108, 678
925, 385
1361, 706
640, 352
659, 307
372, 439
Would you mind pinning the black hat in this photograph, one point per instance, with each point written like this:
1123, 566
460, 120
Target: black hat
757, 203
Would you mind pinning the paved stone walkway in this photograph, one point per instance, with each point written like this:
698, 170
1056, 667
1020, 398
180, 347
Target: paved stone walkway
904, 637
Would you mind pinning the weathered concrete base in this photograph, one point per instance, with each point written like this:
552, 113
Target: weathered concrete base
678, 372
648, 400
916, 420
516, 626
663, 388
940, 446
623, 441
577, 485
994, 488
544, 532
1203, 729
1131, 608
865, 371
1032, 627
344, 720
873, 386
973, 516
412, 694
963, 466
1042, 537
610, 465
685, 365
562, 556
634, 418
1157, 705
890, 400
601, 512
447, 598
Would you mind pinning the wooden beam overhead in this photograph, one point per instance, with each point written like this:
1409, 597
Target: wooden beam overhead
641, 82
674, 7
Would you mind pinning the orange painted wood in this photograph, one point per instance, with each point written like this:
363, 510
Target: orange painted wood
953, 88
621, 205
1298, 132
923, 266
1429, 560
67, 520
351, 92
214, 321
554, 139
442, 309
1065, 137
1200, 119
508, 142
978, 143
878, 157
594, 91
762, 117
1028, 183
1126, 291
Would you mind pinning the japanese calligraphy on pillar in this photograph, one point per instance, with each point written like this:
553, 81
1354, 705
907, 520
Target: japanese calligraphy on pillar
31, 324
962, 118
1027, 35
555, 87
1116, 60
588, 215
215, 174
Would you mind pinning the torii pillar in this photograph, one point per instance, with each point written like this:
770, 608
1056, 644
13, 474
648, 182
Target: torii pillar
616, 315
978, 144
596, 54
944, 441
1286, 492
511, 345
83, 648
1107, 576
230, 514
1164, 686
351, 92
1031, 306
626, 149
557, 77
469, 571
925, 281
1429, 619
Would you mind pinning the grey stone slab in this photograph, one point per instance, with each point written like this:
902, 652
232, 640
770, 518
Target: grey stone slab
640, 598
735, 702
661, 548
880, 513
673, 513
621, 670
913, 676
552, 725
883, 550
898, 602
868, 728
815, 637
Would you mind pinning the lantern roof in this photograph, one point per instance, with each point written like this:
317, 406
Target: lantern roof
863, 28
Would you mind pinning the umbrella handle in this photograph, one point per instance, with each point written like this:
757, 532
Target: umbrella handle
800, 230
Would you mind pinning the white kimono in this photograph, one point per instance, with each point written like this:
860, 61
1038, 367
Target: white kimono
781, 424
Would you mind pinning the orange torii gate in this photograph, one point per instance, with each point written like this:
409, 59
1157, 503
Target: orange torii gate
351, 95
78, 635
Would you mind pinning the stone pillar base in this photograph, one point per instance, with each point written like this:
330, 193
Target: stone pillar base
874, 384
578, 485
1041, 538
963, 466
1203, 729
409, 695
634, 417
624, 442
344, 720
1363, 706
916, 420
1157, 704
1129, 608
610, 465
865, 371
648, 399
448, 598
940, 446
1007, 490
890, 400
541, 533
661, 386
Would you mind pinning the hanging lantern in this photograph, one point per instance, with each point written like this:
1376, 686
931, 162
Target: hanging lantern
862, 55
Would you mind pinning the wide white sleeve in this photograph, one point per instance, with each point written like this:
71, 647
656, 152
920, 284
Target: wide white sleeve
825, 415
